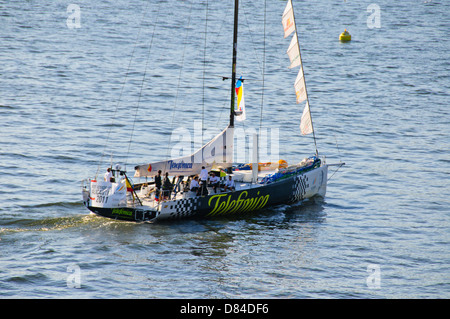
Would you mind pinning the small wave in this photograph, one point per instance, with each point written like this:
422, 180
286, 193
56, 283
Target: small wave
56, 204
29, 278
60, 157
17, 155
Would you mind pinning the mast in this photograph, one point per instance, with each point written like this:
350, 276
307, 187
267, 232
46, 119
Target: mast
233, 74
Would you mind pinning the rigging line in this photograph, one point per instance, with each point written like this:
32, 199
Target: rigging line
204, 70
251, 39
219, 118
215, 43
226, 15
339, 166
179, 83
121, 92
142, 84
264, 67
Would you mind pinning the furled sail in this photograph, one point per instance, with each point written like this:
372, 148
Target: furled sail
216, 153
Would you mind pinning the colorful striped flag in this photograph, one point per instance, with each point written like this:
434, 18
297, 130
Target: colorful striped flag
240, 111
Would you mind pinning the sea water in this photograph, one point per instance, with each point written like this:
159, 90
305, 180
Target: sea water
88, 84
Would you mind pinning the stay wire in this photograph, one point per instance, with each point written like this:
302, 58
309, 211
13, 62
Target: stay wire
142, 83
253, 43
339, 166
121, 92
263, 68
179, 83
204, 69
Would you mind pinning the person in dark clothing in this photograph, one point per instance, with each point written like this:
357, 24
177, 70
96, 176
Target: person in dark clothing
158, 180
167, 186
158, 185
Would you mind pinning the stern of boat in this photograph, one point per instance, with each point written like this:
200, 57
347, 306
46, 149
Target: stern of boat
104, 194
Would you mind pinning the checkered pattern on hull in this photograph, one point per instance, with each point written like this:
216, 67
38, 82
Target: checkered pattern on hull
183, 207
301, 183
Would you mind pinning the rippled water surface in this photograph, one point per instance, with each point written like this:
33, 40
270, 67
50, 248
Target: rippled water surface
71, 97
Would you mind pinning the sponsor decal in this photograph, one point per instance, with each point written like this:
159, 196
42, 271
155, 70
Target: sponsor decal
122, 212
181, 165
100, 189
222, 203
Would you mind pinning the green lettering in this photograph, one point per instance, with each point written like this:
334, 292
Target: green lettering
217, 197
224, 205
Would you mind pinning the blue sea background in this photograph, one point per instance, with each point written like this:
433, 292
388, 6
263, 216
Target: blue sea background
75, 92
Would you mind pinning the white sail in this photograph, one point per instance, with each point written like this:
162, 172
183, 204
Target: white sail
216, 153
300, 87
288, 19
305, 122
294, 52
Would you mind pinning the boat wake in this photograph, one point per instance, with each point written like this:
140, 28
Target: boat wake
46, 224
46, 217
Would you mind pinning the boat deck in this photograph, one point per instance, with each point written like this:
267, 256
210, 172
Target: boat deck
146, 191
243, 180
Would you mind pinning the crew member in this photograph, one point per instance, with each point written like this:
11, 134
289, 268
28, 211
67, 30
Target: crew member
229, 184
203, 180
108, 175
167, 186
214, 182
158, 184
195, 186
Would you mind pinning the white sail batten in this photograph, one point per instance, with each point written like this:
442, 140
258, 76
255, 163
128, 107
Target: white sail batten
293, 52
300, 87
216, 153
288, 20
289, 25
305, 122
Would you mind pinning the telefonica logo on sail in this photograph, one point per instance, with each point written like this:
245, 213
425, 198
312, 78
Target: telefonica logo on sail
181, 165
